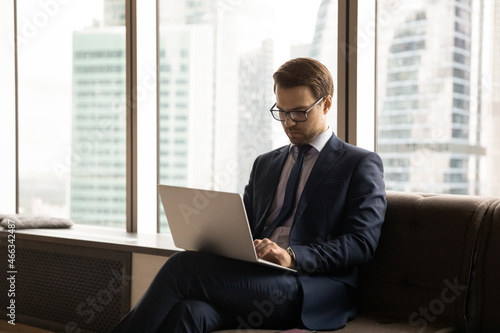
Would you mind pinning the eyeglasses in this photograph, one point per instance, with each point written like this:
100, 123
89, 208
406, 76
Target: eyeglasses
297, 116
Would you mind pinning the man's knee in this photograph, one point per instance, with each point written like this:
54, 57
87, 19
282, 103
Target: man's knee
189, 309
194, 261
182, 318
185, 259
191, 315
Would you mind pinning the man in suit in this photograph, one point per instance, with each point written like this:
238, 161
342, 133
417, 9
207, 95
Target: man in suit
316, 205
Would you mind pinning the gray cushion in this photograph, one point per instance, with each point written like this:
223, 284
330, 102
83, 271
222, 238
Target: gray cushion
34, 222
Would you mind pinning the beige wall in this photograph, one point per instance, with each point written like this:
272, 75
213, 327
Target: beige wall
144, 269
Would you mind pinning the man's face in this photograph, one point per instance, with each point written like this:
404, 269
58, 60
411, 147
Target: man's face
300, 99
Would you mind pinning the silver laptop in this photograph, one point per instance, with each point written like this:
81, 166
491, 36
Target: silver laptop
210, 221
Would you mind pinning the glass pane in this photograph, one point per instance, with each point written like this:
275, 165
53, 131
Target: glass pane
216, 64
7, 113
72, 110
438, 119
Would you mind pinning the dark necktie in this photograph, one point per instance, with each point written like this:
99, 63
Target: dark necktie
291, 189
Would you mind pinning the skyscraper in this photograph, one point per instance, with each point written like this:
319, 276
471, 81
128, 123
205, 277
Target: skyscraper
186, 105
428, 136
98, 158
198, 96
324, 47
114, 13
255, 98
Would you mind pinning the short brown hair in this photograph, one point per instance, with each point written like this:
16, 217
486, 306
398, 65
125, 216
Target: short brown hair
305, 72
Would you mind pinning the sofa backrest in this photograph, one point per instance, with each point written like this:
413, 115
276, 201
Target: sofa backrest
422, 269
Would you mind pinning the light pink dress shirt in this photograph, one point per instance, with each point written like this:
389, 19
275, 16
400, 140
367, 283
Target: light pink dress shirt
281, 234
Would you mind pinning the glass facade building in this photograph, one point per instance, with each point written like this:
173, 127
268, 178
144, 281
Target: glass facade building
431, 115
98, 146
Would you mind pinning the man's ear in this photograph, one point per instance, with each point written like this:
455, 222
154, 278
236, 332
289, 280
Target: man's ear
327, 104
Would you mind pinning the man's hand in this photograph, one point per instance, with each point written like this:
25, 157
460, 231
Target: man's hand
270, 251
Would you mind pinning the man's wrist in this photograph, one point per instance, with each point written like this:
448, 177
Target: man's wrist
290, 252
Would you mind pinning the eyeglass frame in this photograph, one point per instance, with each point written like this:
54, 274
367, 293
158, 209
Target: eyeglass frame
288, 113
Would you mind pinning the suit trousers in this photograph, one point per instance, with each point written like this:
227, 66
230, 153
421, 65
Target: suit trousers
198, 292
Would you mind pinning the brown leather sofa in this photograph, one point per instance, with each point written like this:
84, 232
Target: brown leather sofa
436, 269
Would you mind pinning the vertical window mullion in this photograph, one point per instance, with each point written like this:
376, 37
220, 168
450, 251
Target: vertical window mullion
347, 69
16, 109
157, 24
352, 64
131, 135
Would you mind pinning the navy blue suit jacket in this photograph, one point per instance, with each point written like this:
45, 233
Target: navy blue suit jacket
336, 226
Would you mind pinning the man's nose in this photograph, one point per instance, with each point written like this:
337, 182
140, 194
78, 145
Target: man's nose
289, 121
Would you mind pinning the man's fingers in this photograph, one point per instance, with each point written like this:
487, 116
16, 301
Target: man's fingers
263, 246
270, 251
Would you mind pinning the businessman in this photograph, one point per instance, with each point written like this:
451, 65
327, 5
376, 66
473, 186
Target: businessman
316, 205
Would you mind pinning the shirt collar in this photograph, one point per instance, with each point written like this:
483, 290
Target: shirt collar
320, 141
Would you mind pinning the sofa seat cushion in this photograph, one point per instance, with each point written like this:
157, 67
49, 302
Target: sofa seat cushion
374, 324
371, 324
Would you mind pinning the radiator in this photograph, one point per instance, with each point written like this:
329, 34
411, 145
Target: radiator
63, 288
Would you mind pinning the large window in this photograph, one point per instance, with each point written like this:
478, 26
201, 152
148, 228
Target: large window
71, 82
215, 77
438, 118
416, 82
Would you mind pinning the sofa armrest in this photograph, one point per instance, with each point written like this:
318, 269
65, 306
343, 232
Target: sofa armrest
485, 299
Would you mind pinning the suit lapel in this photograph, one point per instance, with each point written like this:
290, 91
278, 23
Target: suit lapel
327, 159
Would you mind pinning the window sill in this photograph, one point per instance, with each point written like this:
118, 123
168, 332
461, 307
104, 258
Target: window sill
103, 238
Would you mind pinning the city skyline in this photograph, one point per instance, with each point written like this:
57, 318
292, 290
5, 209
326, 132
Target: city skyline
436, 133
